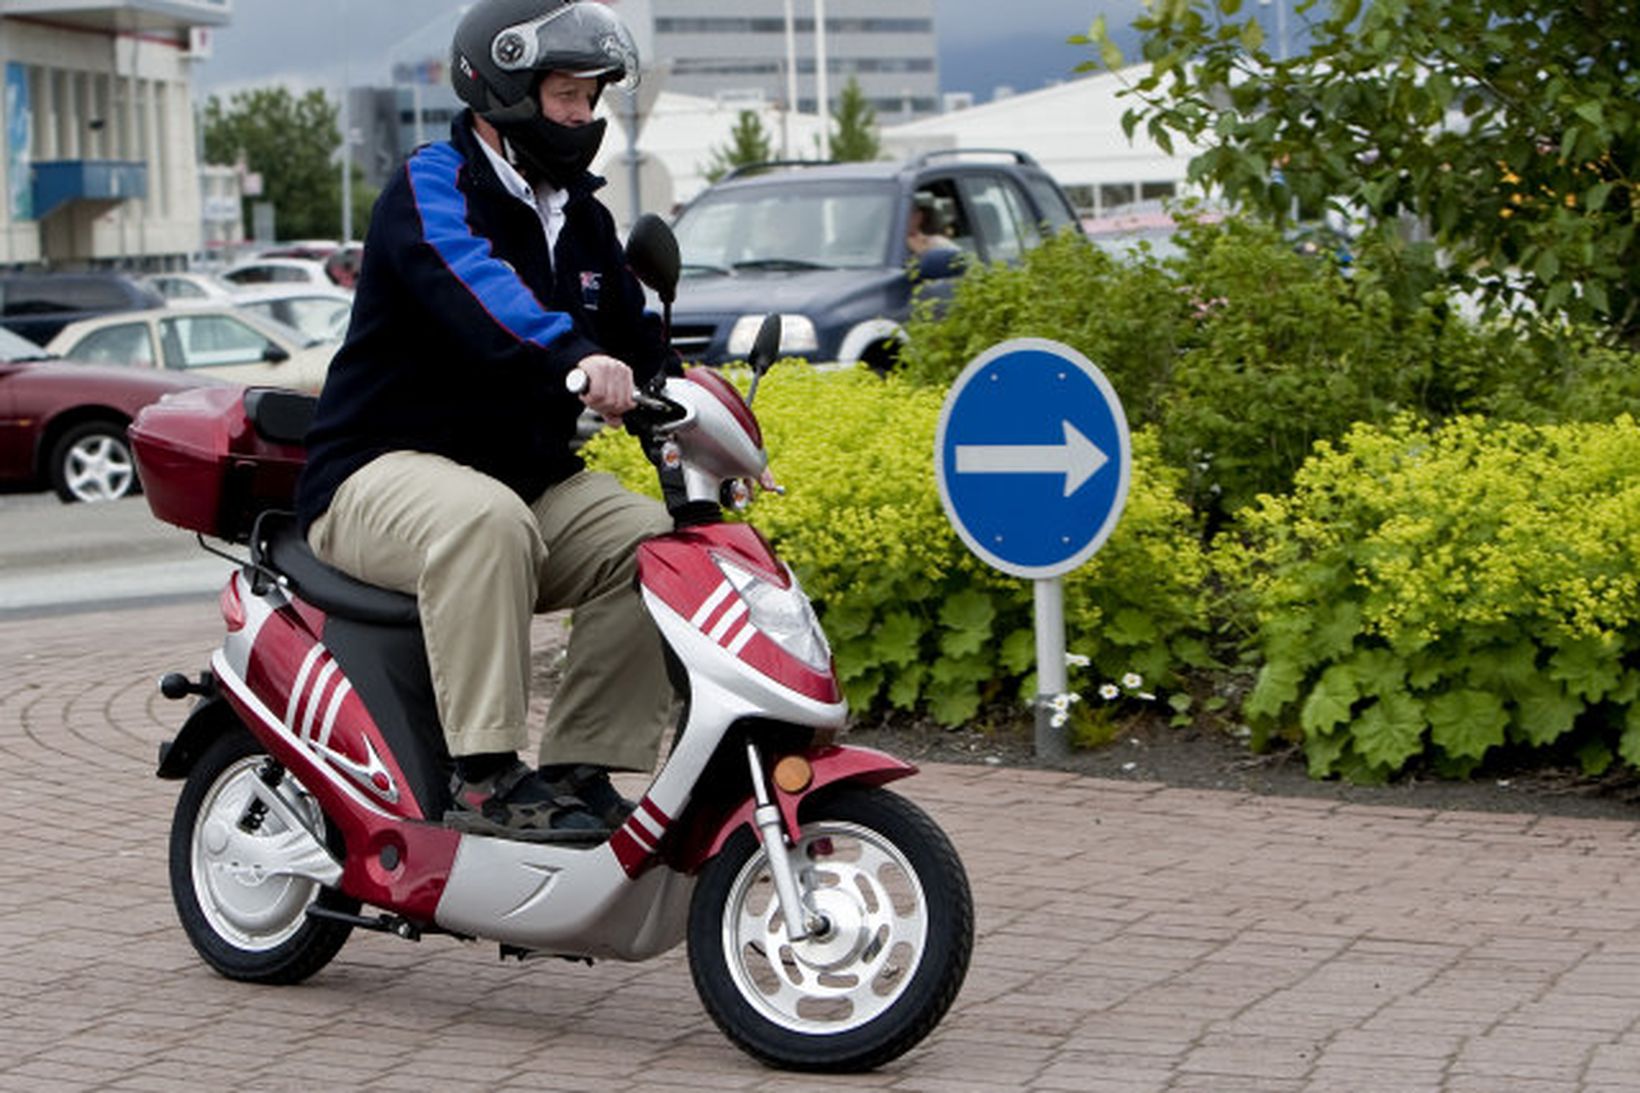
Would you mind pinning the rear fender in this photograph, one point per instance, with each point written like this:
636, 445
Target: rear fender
210, 718
832, 765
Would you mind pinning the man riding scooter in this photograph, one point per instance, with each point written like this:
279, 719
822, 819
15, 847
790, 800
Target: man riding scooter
440, 461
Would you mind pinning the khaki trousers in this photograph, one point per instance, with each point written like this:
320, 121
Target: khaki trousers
480, 562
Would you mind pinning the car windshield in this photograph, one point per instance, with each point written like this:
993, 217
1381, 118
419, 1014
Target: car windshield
15, 347
799, 226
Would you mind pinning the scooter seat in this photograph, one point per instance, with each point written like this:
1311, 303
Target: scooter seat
280, 546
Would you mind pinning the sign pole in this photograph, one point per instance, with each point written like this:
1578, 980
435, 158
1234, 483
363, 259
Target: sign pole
1032, 458
1051, 681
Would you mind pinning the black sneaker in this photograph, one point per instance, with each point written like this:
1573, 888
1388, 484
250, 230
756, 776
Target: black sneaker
517, 803
591, 786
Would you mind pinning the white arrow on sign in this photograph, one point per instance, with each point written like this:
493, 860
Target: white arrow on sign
1078, 459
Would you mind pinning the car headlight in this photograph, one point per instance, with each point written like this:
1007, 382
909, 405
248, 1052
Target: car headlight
797, 335
783, 615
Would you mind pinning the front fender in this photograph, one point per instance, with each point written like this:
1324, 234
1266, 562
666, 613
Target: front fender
832, 764
210, 718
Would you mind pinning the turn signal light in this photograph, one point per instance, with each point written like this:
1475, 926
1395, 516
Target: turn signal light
793, 774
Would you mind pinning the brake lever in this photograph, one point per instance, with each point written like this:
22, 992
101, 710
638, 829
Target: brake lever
650, 402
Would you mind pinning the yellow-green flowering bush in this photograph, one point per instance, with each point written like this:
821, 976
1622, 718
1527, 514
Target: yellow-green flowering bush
1440, 592
914, 619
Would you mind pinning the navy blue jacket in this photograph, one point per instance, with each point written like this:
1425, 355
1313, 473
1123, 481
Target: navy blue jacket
464, 328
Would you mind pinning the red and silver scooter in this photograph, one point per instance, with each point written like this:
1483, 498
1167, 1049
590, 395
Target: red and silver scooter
828, 920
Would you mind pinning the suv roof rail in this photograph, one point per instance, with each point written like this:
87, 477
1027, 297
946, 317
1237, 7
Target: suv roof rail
1024, 159
770, 164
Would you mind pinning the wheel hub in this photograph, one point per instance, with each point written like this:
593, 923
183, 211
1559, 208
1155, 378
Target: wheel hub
845, 935
236, 891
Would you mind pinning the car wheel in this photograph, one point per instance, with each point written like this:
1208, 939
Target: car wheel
92, 462
881, 357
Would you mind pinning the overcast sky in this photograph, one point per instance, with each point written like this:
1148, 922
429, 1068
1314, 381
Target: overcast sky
306, 43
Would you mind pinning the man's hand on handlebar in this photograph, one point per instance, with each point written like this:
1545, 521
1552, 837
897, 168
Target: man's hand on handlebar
608, 390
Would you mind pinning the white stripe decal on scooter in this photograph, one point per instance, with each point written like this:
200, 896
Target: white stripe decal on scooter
343, 689
645, 841
228, 678
735, 612
315, 693
298, 687
652, 828
704, 611
745, 635
645, 830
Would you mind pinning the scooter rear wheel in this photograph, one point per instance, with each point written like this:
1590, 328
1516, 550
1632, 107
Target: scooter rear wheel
247, 924
900, 926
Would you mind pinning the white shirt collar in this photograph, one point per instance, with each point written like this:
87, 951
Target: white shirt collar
508, 175
547, 201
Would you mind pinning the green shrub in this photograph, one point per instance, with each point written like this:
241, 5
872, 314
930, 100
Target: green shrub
1245, 350
1123, 316
1433, 594
1564, 374
1288, 350
914, 619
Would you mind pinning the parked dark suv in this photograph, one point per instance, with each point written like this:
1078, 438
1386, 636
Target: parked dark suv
825, 245
38, 305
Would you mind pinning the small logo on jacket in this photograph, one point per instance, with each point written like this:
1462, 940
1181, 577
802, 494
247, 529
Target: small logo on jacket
591, 285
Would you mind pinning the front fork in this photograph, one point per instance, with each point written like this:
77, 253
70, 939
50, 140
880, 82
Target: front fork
801, 919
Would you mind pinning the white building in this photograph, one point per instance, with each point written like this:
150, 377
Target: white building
1074, 130
738, 50
100, 164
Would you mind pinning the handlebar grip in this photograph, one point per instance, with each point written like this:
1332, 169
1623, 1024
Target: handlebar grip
576, 381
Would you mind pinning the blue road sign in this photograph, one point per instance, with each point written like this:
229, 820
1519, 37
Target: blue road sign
1033, 457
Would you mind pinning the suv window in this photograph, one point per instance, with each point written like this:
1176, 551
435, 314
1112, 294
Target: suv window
949, 220
1002, 220
1056, 214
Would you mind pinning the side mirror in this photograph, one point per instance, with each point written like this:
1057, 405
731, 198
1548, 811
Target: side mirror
273, 354
940, 264
652, 252
766, 346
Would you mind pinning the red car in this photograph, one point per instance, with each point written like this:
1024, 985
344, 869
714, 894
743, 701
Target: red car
62, 425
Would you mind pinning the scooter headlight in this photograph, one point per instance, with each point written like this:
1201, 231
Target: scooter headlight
783, 615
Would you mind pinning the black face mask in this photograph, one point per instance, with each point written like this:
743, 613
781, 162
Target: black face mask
544, 151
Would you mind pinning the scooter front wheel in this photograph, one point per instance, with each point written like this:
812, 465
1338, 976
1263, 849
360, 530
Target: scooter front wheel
899, 926
247, 922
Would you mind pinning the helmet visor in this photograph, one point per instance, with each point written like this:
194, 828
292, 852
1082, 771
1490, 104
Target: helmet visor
580, 39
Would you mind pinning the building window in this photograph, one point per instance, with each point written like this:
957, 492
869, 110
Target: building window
1115, 194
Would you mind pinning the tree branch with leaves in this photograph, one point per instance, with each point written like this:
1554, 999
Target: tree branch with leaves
1507, 130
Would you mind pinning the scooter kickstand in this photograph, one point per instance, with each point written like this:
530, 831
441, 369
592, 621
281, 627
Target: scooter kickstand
801, 921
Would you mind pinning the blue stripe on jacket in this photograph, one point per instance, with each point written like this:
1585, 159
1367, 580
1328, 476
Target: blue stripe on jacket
493, 283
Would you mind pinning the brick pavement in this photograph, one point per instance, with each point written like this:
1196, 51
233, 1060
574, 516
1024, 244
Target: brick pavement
1132, 937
